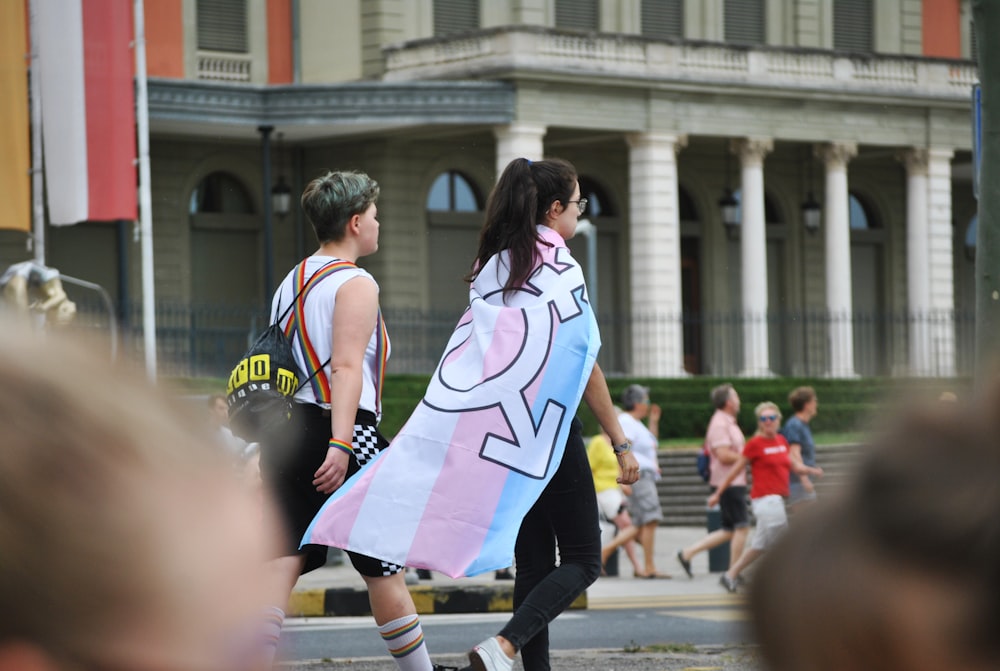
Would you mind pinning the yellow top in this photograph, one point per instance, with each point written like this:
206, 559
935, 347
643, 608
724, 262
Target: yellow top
603, 463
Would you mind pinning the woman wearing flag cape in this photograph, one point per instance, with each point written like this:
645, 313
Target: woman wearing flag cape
492, 462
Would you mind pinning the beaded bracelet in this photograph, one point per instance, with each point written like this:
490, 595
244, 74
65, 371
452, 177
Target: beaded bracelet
341, 445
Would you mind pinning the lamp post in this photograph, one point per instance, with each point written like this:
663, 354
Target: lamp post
265, 159
281, 198
730, 208
812, 213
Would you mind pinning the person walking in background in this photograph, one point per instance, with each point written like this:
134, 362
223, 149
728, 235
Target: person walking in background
770, 463
724, 441
644, 501
127, 540
611, 500
802, 449
337, 321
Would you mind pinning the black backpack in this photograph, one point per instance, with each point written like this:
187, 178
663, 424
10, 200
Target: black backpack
263, 383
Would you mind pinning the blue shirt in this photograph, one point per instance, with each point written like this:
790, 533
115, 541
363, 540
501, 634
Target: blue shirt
797, 431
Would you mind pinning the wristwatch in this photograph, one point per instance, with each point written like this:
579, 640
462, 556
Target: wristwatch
624, 448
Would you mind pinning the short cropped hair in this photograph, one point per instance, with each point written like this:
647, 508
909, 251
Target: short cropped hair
330, 201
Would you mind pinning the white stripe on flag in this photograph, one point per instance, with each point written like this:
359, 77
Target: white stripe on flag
64, 110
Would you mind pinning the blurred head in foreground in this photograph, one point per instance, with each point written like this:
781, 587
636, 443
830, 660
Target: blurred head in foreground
125, 541
902, 571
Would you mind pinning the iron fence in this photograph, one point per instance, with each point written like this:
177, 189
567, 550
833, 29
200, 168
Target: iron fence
206, 340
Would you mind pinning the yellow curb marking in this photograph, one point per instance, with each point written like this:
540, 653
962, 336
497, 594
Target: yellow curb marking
307, 603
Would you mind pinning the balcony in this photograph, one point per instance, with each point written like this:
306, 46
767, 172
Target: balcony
632, 60
223, 66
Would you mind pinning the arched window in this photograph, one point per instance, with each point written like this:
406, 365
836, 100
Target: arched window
688, 211
970, 237
220, 193
452, 192
598, 202
860, 215
454, 218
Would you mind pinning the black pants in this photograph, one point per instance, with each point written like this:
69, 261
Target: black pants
564, 515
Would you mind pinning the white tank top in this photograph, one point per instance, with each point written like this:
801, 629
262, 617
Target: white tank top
318, 304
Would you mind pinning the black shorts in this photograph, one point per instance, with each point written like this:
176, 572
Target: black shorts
288, 469
733, 506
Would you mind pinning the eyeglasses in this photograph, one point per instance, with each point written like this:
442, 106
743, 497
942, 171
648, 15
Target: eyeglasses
580, 204
768, 418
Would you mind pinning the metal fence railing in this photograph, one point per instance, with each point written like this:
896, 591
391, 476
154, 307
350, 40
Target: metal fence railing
207, 340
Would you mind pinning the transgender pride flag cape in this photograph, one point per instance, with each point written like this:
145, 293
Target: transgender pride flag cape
451, 490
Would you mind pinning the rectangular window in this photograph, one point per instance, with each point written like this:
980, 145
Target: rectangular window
455, 16
578, 15
222, 25
852, 25
663, 19
744, 21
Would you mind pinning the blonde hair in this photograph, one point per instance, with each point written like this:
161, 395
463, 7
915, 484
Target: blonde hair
766, 405
107, 490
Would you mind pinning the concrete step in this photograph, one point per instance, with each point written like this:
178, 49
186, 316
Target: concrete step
683, 492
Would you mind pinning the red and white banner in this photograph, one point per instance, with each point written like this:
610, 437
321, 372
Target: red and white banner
88, 109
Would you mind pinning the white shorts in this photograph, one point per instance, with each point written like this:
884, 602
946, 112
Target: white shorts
610, 502
771, 520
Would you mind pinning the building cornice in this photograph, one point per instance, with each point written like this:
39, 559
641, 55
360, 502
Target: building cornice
310, 111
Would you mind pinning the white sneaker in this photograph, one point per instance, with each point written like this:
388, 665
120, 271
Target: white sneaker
489, 656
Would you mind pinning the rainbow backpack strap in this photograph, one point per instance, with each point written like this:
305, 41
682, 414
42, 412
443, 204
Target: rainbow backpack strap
318, 378
381, 357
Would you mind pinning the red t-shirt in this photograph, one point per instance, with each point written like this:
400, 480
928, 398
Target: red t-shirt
769, 464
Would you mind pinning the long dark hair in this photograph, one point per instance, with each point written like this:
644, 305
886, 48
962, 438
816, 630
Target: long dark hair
515, 207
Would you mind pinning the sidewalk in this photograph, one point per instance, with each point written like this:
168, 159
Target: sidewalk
339, 590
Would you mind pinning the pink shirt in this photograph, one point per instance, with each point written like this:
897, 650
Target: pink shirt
723, 430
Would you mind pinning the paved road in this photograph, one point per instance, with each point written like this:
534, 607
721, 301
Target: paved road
627, 623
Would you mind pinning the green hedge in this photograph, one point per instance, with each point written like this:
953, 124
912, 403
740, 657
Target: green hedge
844, 405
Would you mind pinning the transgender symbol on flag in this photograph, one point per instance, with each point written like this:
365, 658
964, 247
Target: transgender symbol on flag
450, 491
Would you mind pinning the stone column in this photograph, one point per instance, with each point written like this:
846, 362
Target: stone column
518, 140
836, 217
918, 294
655, 255
940, 262
753, 255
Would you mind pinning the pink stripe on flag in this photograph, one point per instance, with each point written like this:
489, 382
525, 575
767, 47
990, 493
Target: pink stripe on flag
473, 479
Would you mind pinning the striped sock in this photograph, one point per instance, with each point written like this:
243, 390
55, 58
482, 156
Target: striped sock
268, 634
404, 638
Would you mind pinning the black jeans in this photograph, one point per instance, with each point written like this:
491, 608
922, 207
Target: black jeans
564, 515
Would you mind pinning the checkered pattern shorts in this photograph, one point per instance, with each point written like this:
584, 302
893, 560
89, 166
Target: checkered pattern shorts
367, 443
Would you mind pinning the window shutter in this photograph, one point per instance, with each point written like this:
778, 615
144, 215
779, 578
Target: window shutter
455, 16
973, 48
578, 15
663, 19
222, 25
852, 25
744, 21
